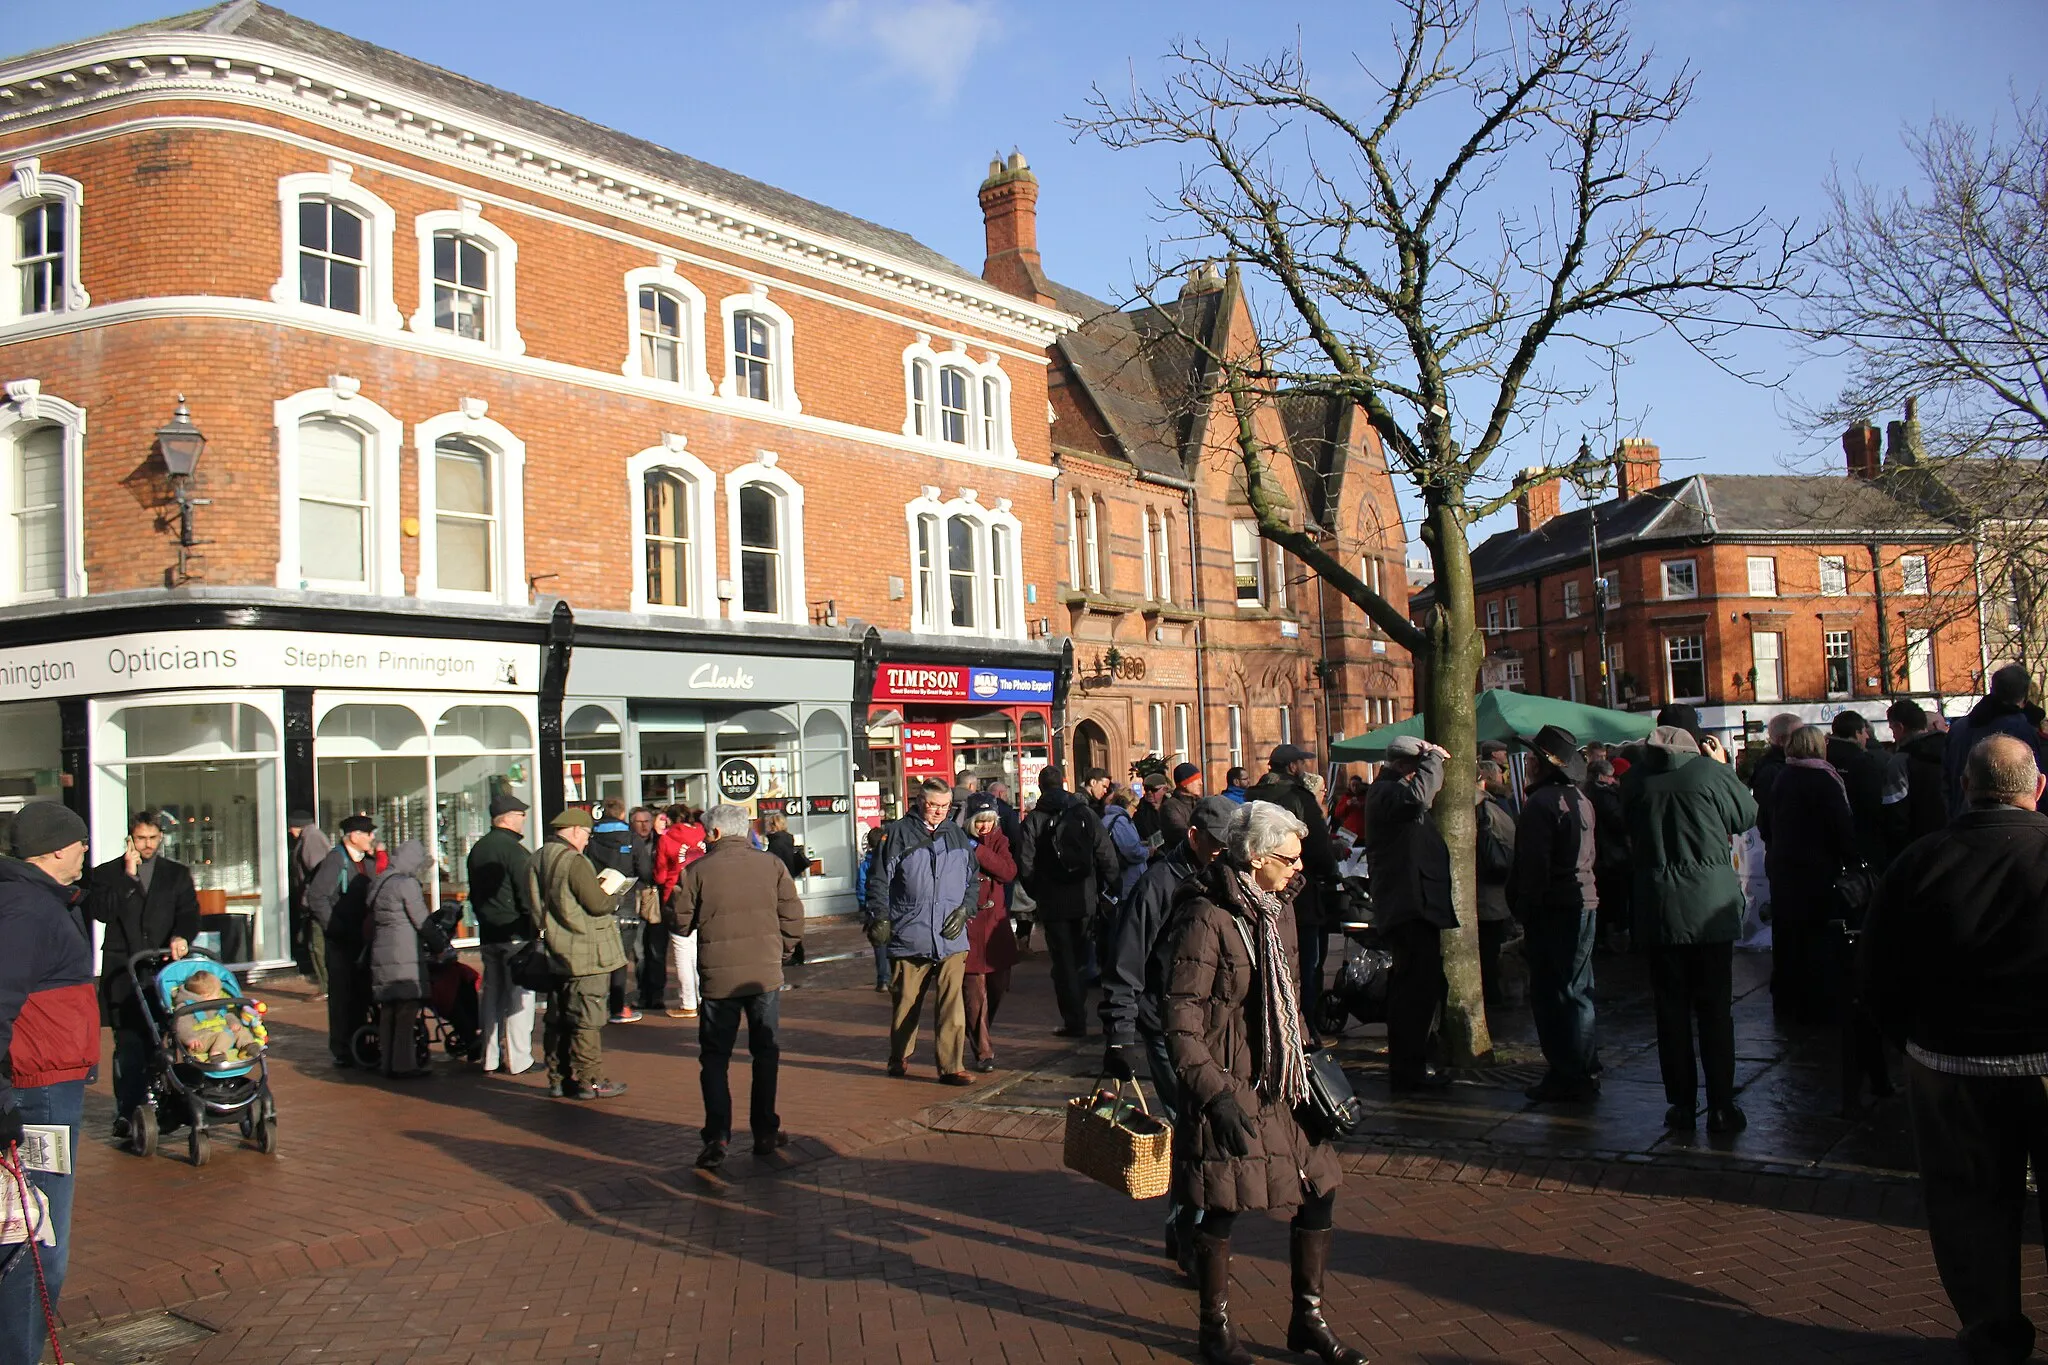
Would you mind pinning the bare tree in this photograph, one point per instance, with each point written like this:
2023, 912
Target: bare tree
1939, 293
1452, 254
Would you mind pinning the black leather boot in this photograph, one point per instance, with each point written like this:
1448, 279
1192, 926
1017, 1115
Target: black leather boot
1219, 1343
1306, 1330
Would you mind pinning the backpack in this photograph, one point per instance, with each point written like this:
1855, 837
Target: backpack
1073, 843
1494, 858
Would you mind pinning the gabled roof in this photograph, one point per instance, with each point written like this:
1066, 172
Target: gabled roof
1143, 372
1706, 507
268, 24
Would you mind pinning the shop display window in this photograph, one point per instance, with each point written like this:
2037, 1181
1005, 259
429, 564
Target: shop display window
594, 757
208, 770
31, 759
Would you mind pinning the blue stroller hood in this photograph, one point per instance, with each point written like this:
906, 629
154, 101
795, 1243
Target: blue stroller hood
172, 975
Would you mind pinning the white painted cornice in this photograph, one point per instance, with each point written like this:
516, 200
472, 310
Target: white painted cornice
123, 68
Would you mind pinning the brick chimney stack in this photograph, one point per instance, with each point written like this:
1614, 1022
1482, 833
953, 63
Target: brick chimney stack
1009, 213
1861, 443
1637, 466
1535, 503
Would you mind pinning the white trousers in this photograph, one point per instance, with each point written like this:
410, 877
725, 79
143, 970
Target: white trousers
507, 1011
682, 964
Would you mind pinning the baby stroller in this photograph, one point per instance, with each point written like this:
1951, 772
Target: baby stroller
450, 1016
183, 1091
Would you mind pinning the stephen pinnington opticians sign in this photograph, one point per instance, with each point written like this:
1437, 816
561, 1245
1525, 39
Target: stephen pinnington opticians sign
263, 658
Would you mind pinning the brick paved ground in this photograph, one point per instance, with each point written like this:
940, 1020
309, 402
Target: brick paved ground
470, 1220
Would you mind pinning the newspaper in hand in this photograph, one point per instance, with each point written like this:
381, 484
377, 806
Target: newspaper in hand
44, 1147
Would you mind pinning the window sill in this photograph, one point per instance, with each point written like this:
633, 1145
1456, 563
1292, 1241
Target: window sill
1169, 611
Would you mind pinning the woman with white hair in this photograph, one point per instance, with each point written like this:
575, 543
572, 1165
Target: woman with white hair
1239, 1046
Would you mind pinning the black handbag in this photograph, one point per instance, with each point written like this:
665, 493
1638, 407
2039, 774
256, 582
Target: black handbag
1855, 888
1332, 1109
532, 967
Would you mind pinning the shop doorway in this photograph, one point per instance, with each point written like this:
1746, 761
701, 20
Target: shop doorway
1091, 748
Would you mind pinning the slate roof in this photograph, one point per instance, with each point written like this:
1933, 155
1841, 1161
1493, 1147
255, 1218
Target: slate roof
1705, 507
1141, 372
268, 24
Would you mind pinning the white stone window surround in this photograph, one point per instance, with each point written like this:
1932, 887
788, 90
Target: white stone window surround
673, 455
467, 220
781, 346
989, 368
690, 363
27, 406
986, 520
380, 229
508, 471
384, 438
767, 472
30, 186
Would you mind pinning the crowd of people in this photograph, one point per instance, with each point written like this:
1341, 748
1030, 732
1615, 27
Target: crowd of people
1205, 922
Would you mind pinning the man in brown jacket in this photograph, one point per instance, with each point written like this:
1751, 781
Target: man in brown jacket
743, 909
583, 944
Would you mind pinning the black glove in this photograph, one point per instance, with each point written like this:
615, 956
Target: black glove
1231, 1125
10, 1129
1116, 1061
878, 932
956, 923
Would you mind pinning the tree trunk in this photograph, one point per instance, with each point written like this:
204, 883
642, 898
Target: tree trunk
1453, 672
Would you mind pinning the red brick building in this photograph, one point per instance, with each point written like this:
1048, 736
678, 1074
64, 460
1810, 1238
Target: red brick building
1744, 595
536, 457
1195, 640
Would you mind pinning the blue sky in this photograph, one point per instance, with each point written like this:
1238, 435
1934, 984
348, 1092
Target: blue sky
891, 111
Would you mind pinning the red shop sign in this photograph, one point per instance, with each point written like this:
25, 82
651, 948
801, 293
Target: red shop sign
927, 751
921, 682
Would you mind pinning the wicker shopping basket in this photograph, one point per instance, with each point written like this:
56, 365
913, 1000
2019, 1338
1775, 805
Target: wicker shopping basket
1119, 1144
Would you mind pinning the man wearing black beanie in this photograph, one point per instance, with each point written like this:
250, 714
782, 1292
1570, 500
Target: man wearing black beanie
50, 1040
2002, 711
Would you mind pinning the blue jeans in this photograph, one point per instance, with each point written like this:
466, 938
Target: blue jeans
718, 1027
23, 1330
1559, 948
882, 966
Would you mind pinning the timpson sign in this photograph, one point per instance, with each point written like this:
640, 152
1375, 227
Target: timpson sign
962, 683
169, 659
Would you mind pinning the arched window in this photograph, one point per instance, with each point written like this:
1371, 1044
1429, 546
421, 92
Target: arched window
920, 399
665, 331
1094, 533
964, 566
468, 279
674, 562
955, 400
337, 246
471, 514
337, 481
758, 341
1162, 558
42, 451
39, 215
764, 520
953, 390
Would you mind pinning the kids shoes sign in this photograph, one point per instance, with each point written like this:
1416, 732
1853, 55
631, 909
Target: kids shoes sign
738, 780
961, 683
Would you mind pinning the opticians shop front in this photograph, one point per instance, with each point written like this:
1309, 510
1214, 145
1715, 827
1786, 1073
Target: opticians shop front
220, 728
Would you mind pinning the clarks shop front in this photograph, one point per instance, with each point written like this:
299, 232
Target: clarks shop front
220, 716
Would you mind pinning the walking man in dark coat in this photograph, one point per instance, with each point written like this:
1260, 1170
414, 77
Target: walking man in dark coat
1551, 892
1411, 898
1954, 958
148, 903
1066, 860
741, 906
336, 898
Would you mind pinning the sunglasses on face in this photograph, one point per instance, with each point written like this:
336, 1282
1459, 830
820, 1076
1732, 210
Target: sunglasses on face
1295, 861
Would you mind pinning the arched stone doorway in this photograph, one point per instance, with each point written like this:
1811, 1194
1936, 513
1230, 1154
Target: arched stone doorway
1091, 749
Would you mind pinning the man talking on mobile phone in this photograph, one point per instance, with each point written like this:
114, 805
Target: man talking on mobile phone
148, 904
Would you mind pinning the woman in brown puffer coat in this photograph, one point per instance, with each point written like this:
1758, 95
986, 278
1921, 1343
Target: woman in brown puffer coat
1238, 1042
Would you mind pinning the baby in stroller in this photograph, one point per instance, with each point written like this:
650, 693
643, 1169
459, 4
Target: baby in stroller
229, 1032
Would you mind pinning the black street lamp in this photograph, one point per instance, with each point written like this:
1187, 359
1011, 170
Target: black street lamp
181, 444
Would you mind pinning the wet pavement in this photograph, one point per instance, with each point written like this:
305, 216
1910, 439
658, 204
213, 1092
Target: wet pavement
1788, 1079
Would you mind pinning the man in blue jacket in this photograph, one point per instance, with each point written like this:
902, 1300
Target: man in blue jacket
49, 1045
919, 897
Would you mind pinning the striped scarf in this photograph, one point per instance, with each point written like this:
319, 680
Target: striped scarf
1283, 1065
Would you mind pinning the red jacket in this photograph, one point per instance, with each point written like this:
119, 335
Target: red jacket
991, 942
49, 1004
679, 846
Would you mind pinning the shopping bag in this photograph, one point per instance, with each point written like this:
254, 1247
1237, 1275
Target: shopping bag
1119, 1144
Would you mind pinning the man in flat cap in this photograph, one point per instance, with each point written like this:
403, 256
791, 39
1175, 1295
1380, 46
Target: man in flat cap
575, 919
49, 1044
504, 919
336, 898
1551, 892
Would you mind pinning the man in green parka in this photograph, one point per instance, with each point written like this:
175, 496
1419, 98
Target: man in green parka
1684, 810
583, 944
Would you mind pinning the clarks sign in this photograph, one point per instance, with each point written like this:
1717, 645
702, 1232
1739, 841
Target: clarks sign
671, 674
712, 677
